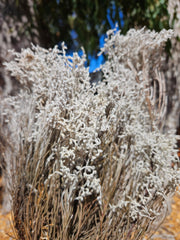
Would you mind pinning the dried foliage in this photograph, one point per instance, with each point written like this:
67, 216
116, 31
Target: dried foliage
90, 162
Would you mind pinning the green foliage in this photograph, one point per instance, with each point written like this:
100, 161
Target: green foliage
89, 19
150, 13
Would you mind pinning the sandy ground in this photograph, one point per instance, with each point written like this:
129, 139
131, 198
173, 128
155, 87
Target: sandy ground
6, 228
170, 230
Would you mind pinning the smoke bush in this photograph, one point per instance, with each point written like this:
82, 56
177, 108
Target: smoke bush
90, 161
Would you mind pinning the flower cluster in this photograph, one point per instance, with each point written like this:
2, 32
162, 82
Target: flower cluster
84, 143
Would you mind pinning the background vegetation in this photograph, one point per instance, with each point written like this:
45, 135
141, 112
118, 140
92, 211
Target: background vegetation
82, 23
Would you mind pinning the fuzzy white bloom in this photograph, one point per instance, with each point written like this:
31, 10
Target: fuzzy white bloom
101, 140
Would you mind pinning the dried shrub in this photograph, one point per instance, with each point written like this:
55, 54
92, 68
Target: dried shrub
90, 162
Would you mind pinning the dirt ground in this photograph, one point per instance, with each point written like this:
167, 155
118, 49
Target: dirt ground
6, 229
170, 230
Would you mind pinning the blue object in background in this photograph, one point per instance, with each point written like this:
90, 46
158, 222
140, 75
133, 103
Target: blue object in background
94, 60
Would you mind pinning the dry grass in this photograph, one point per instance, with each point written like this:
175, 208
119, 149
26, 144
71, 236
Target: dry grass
89, 163
169, 230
